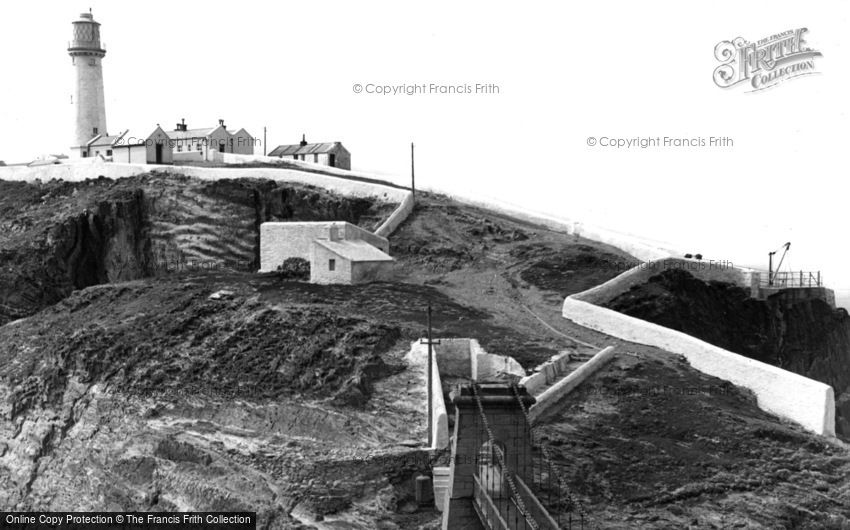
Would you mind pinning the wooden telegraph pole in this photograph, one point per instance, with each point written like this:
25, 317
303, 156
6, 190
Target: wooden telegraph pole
264, 141
430, 342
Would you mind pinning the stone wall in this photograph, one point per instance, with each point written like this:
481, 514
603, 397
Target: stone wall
704, 270
397, 217
490, 366
556, 392
546, 373
786, 394
439, 436
370, 271
453, 357
77, 172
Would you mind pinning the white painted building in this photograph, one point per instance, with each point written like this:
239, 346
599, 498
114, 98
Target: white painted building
195, 144
241, 142
338, 252
332, 154
153, 148
347, 262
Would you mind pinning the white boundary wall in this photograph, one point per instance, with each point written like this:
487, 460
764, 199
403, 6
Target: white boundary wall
78, 172
397, 217
805, 401
439, 436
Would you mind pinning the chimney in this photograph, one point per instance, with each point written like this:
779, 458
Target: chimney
303, 140
182, 125
221, 122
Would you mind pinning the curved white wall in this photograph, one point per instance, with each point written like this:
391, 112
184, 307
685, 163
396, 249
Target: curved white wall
805, 401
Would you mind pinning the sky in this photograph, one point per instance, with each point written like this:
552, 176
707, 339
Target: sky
563, 72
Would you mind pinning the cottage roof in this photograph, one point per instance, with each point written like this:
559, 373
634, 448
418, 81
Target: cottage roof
309, 149
105, 141
191, 133
354, 250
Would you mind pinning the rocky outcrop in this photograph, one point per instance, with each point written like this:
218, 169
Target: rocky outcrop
807, 337
105, 242
58, 237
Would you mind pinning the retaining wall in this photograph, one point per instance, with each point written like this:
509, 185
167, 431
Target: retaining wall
703, 270
490, 366
398, 216
439, 435
546, 373
453, 357
75, 171
805, 401
556, 392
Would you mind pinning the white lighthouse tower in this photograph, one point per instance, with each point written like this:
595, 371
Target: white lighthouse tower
86, 54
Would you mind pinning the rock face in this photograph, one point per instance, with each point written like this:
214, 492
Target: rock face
156, 396
806, 337
60, 236
107, 241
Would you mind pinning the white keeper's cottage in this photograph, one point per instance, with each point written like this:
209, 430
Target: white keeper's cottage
338, 252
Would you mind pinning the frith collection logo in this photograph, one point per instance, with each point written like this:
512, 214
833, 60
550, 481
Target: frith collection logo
765, 63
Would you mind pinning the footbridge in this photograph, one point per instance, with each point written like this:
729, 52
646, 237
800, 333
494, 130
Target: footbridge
499, 478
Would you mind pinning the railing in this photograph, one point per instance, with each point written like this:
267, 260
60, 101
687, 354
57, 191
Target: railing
548, 486
488, 512
500, 479
791, 279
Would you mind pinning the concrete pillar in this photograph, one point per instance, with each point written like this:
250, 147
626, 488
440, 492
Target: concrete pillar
509, 428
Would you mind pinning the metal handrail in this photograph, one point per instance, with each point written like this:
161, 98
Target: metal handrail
537, 504
480, 491
506, 472
792, 279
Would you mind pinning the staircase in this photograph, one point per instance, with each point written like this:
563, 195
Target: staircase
565, 369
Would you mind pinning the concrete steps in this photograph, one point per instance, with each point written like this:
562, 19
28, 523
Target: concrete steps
441, 485
576, 361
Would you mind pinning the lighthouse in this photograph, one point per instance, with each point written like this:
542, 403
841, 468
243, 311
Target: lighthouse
86, 53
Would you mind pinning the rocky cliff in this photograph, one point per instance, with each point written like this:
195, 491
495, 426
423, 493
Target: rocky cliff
61, 236
806, 337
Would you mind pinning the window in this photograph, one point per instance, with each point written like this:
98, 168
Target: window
331, 264
316, 158
179, 148
109, 152
94, 131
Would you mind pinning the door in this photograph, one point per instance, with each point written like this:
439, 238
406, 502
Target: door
159, 153
332, 160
